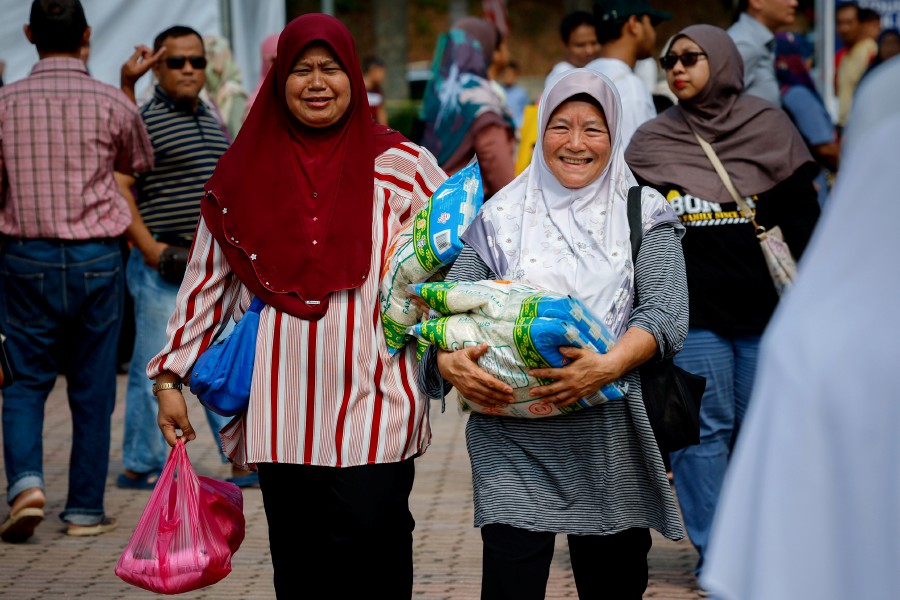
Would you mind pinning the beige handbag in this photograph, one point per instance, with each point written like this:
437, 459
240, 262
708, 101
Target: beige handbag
782, 266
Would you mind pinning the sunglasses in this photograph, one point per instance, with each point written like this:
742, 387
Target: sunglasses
688, 59
177, 62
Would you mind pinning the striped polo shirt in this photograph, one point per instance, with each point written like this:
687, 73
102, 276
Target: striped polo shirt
186, 146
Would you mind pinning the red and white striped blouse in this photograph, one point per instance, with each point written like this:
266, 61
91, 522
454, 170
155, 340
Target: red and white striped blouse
324, 392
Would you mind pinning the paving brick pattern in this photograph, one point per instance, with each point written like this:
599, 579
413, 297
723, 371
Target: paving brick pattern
447, 547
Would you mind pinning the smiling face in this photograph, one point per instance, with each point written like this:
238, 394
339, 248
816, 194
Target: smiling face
687, 82
576, 143
317, 91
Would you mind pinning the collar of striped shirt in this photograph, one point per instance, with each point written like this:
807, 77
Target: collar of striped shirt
159, 95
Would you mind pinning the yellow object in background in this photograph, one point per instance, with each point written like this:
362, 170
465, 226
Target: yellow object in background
528, 137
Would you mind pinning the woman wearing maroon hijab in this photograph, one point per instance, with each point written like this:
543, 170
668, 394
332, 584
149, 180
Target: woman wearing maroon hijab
298, 214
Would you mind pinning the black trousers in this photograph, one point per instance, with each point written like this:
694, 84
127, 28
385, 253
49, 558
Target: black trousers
516, 563
346, 531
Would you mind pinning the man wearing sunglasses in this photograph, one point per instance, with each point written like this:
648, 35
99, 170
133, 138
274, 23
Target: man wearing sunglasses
627, 34
187, 142
754, 35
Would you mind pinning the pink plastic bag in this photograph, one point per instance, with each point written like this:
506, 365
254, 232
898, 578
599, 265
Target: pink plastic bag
188, 532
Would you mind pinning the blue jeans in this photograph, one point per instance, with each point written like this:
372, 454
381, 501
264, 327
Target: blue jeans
61, 305
144, 449
729, 365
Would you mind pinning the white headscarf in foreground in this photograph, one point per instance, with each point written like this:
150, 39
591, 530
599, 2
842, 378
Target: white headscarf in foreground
811, 503
573, 241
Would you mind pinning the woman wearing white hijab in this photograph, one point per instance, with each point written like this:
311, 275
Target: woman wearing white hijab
597, 474
810, 503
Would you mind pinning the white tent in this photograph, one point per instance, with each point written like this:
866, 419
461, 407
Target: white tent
119, 25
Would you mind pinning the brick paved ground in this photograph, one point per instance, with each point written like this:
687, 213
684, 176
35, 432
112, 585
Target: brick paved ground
447, 547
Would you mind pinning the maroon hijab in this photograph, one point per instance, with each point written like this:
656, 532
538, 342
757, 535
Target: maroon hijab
292, 206
754, 139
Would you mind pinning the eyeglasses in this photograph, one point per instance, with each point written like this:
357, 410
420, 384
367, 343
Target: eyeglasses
177, 62
688, 59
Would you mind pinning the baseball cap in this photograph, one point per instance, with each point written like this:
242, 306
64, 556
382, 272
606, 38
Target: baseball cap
618, 11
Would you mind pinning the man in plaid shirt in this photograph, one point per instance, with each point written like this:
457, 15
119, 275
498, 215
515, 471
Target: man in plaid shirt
62, 135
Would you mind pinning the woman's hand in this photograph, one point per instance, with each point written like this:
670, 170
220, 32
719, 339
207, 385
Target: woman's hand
172, 413
586, 374
461, 369
151, 253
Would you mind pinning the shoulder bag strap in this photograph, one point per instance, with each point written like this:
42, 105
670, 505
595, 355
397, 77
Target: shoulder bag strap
726, 179
634, 220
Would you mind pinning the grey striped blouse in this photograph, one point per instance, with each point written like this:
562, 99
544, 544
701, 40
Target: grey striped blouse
594, 472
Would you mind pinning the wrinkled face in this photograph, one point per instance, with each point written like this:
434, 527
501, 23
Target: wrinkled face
317, 91
576, 143
776, 13
687, 82
184, 84
847, 25
582, 46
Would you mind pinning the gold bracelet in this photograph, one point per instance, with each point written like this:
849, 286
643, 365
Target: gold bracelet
158, 387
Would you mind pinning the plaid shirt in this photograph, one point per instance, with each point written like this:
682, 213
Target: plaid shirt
62, 134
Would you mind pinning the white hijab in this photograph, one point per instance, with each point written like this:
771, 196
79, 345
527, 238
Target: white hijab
572, 241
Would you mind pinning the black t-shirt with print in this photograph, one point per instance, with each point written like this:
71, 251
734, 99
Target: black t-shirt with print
729, 285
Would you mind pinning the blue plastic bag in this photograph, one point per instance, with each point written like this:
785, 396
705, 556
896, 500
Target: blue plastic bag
222, 375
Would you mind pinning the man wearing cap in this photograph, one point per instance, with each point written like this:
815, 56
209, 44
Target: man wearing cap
625, 29
754, 35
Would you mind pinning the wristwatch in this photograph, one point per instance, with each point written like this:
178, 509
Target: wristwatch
158, 387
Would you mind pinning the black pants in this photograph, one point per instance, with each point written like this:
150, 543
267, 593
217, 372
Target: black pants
516, 563
345, 531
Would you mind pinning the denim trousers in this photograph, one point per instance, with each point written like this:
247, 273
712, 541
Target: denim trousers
729, 365
61, 306
144, 449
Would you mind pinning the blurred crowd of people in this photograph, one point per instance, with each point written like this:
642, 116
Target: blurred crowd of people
225, 193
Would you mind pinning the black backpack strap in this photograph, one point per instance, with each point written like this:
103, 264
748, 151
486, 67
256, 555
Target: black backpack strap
634, 220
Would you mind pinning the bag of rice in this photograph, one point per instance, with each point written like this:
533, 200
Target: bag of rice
419, 253
510, 301
514, 347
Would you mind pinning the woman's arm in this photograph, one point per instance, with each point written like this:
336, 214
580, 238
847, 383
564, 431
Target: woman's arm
205, 303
